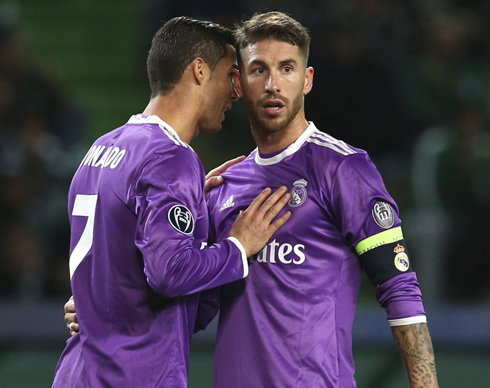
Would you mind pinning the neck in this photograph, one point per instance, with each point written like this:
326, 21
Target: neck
178, 109
268, 142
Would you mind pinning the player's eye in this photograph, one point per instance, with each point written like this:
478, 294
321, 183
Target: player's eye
259, 70
288, 69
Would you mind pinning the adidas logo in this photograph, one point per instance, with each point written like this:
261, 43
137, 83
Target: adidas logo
229, 203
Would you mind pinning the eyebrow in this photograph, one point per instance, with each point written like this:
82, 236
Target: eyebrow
283, 62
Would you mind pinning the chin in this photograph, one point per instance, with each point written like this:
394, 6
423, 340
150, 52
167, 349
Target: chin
273, 126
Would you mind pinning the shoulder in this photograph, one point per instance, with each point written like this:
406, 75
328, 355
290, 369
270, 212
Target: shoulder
156, 138
157, 150
331, 157
154, 132
325, 145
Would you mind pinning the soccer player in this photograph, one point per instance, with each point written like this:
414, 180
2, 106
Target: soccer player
139, 222
289, 323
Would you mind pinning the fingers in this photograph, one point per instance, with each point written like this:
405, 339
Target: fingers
74, 328
268, 205
72, 323
221, 169
225, 166
273, 228
70, 305
254, 227
71, 316
213, 178
211, 183
274, 204
258, 201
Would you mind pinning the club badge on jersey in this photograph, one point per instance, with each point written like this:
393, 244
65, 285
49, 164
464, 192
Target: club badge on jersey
181, 219
298, 193
401, 259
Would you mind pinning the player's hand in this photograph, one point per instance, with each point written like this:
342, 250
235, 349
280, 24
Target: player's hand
214, 178
255, 226
71, 317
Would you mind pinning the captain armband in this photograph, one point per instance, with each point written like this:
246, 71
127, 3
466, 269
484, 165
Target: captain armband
384, 255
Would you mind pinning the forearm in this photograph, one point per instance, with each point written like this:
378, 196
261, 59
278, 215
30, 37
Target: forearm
178, 271
415, 347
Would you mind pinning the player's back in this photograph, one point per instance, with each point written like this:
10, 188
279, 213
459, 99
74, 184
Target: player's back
129, 335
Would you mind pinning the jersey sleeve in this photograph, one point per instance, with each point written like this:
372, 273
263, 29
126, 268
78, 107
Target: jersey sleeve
209, 304
173, 223
362, 205
211, 205
369, 222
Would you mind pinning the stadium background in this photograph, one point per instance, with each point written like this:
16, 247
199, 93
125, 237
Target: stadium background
409, 81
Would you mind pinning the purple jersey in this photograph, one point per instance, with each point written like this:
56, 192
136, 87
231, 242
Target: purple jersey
289, 324
138, 223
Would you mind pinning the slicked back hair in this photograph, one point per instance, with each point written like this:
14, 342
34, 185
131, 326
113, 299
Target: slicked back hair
272, 25
180, 41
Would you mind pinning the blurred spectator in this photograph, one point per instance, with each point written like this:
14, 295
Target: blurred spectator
38, 130
451, 62
464, 187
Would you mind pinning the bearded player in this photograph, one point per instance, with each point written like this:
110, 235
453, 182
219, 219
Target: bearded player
289, 324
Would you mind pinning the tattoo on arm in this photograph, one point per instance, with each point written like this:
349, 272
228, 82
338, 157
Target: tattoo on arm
415, 347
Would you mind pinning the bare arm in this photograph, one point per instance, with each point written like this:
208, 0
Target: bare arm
415, 347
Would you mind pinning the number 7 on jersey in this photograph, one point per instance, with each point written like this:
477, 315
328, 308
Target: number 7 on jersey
84, 206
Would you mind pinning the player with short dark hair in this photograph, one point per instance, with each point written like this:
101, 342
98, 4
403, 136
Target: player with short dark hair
289, 323
139, 222
272, 25
178, 44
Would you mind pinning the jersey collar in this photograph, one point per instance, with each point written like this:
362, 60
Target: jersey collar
291, 149
165, 127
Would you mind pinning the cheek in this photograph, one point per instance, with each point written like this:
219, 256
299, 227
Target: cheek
252, 89
295, 87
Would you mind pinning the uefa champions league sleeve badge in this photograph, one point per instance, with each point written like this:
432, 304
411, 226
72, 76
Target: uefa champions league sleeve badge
181, 219
298, 193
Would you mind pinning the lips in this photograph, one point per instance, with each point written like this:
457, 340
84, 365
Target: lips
273, 107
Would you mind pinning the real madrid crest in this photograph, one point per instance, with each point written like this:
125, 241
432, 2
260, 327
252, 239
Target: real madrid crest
298, 193
401, 259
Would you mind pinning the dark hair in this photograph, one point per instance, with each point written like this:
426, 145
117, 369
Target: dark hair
272, 25
177, 44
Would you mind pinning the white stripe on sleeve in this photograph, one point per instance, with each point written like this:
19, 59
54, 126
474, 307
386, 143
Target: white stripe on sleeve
239, 245
407, 321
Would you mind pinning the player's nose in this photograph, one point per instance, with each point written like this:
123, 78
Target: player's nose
272, 86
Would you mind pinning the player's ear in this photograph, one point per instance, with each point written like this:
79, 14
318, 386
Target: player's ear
236, 83
199, 70
308, 80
